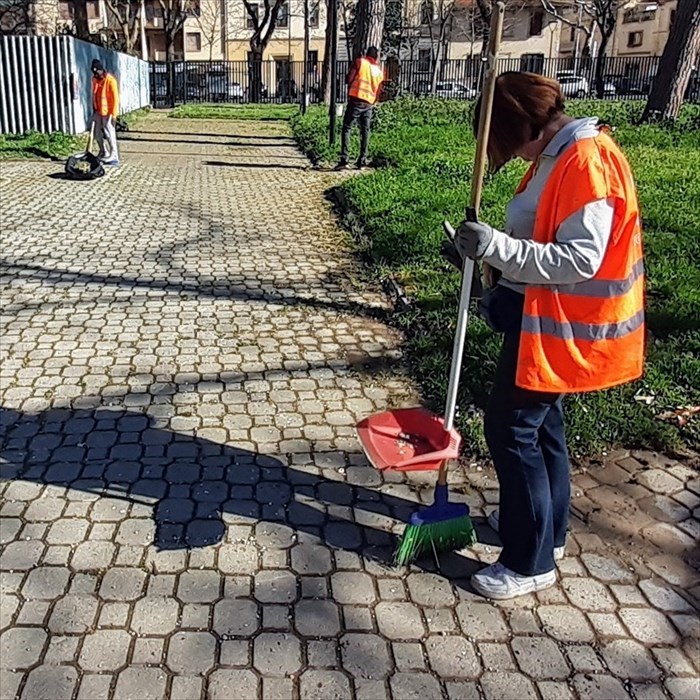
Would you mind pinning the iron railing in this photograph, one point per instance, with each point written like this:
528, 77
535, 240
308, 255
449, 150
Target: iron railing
283, 81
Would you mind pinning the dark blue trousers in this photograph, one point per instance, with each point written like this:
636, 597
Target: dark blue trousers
525, 434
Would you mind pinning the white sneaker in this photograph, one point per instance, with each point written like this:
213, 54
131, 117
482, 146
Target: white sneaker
559, 552
499, 583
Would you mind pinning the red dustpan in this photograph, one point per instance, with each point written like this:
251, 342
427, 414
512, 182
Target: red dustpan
414, 439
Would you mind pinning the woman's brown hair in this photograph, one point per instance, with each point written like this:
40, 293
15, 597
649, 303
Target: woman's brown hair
523, 104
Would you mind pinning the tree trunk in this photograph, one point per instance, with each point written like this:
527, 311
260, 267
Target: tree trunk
682, 48
369, 26
170, 66
327, 67
80, 19
255, 73
600, 62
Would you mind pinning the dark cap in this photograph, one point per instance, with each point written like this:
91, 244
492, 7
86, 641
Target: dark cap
97, 65
372, 52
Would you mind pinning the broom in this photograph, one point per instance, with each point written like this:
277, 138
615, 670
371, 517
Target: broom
446, 526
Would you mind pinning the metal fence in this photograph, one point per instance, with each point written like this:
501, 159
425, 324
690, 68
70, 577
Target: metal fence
282, 81
45, 83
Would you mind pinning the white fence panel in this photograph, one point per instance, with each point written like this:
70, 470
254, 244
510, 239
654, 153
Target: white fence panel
45, 83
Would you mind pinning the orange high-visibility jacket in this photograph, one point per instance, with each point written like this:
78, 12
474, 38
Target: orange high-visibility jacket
368, 79
105, 96
590, 335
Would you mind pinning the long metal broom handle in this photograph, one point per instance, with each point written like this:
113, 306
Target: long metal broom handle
475, 199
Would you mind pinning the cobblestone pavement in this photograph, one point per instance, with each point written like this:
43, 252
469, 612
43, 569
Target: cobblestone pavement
186, 513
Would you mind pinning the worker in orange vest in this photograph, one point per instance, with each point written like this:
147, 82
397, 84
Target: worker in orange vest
570, 303
105, 104
364, 81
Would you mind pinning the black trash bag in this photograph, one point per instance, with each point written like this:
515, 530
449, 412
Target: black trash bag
121, 124
84, 167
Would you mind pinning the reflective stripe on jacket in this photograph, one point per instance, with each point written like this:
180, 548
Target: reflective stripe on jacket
368, 79
590, 335
105, 96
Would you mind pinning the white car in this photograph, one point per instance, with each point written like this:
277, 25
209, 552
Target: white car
454, 90
221, 89
573, 85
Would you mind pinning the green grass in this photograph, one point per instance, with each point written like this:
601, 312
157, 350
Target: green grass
32, 144
425, 150
261, 112
56, 145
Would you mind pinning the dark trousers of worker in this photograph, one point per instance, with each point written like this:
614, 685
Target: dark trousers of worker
361, 112
525, 435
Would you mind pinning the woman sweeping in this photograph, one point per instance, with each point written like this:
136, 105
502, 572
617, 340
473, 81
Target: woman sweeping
570, 303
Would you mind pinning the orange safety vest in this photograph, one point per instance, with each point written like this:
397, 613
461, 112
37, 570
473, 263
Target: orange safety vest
590, 335
105, 96
367, 81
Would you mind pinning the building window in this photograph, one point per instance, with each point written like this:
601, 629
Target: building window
283, 16
314, 17
572, 34
65, 11
673, 17
194, 8
424, 60
250, 22
536, 22
93, 9
635, 39
532, 62
194, 41
427, 12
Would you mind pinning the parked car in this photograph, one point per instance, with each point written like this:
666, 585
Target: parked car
456, 91
573, 84
287, 89
221, 88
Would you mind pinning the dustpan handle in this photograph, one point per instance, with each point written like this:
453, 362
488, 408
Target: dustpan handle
480, 158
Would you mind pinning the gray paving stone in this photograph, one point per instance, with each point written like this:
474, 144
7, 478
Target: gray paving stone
462, 690
649, 626
430, 590
21, 647
188, 687
238, 617
453, 657
94, 686
225, 684
21, 556
367, 689
682, 688
629, 659
311, 559
122, 584
199, 586
480, 621
191, 652
324, 685
238, 559
155, 615
50, 683
73, 614
498, 686
565, 623
399, 620
275, 586
365, 656
408, 656
599, 687
92, 556
317, 618
539, 658
141, 683
10, 684
588, 594
276, 654
322, 653
415, 686
555, 690
45, 582
104, 650
353, 588
663, 597
606, 569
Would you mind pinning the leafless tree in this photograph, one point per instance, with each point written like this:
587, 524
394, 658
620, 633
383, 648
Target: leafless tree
591, 15
680, 55
263, 25
439, 15
125, 14
209, 21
